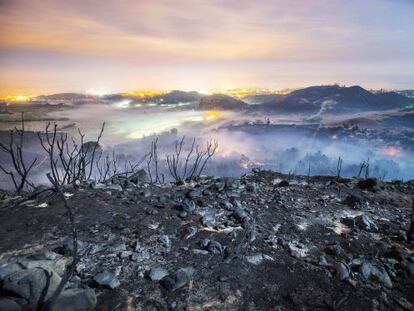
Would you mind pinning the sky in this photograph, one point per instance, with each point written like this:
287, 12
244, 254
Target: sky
49, 46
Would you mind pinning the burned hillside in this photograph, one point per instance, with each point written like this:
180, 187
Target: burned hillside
263, 241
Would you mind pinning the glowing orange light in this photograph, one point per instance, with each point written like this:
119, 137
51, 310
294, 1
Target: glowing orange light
15, 98
212, 115
392, 152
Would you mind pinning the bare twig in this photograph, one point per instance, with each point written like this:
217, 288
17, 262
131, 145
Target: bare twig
19, 172
49, 304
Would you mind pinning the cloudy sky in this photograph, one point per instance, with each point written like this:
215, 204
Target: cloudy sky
73, 45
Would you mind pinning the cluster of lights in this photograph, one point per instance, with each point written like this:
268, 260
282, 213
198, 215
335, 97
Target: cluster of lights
144, 94
15, 98
212, 115
244, 92
392, 152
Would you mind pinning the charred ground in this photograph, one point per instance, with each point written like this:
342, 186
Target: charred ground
264, 241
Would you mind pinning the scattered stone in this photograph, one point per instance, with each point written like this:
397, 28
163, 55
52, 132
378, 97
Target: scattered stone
367, 184
107, 279
9, 268
76, 299
297, 249
57, 266
215, 247
240, 215
165, 240
125, 254
352, 200
117, 248
190, 232
361, 222
200, 252
180, 279
334, 249
283, 183
183, 215
208, 220
139, 177
405, 303
257, 258
251, 187
188, 205
322, 261
342, 270
146, 193
375, 271
30, 284
204, 243
8, 304
195, 193
157, 273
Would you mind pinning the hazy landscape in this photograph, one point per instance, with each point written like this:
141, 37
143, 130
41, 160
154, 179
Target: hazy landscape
200, 155
302, 132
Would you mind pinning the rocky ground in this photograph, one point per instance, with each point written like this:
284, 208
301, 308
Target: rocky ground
265, 241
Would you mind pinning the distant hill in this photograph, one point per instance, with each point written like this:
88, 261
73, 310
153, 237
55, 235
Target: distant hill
407, 93
335, 99
221, 102
172, 97
65, 96
262, 98
181, 96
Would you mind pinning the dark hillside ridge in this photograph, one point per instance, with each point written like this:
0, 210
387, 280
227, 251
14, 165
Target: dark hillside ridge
336, 99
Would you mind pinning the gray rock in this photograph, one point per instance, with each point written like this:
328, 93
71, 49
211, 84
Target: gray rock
208, 220
195, 193
139, 177
352, 200
76, 300
146, 193
342, 270
46, 255
218, 186
157, 273
408, 267
135, 257
190, 232
375, 271
204, 243
251, 187
227, 205
125, 254
9, 268
283, 183
7, 304
240, 215
322, 261
334, 249
215, 247
67, 246
165, 240
361, 222
117, 248
188, 206
180, 279
58, 266
109, 187
107, 279
367, 184
255, 259
31, 283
